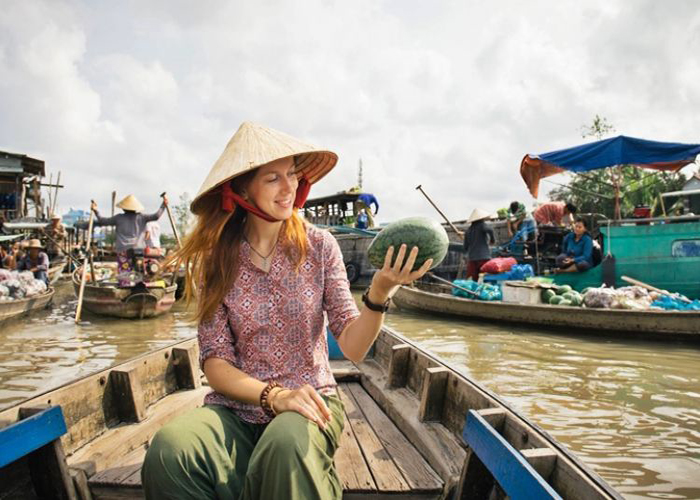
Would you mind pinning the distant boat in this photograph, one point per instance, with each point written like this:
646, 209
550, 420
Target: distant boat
15, 308
143, 300
437, 299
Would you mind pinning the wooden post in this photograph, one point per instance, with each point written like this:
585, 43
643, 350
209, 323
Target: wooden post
432, 400
398, 365
55, 195
128, 395
187, 367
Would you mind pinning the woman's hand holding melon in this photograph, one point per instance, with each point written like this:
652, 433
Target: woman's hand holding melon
389, 278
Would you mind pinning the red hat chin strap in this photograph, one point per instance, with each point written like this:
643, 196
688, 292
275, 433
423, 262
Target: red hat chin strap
229, 200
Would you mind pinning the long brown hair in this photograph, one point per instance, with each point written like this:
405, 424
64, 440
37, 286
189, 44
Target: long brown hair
210, 252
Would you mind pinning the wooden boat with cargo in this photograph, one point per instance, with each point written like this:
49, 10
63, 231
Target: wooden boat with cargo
106, 297
414, 428
16, 308
437, 299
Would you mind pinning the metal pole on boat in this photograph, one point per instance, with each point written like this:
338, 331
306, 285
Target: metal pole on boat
420, 188
83, 276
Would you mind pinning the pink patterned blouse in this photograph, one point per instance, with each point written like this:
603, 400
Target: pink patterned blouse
272, 325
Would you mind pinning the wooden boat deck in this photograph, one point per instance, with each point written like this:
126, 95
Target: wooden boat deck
374, 460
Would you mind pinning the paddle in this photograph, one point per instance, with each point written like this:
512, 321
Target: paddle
448, 282
633, 281
172, 221
419, 188
84, 270
73, 259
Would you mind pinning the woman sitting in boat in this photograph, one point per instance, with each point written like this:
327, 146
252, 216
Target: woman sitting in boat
267, 284
35, 261
577, 250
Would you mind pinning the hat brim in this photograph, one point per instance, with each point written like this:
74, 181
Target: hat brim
312, 165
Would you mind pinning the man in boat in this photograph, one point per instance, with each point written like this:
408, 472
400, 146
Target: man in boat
577, 250
56, 235
35, 261
476, 242
555, 213
131, 227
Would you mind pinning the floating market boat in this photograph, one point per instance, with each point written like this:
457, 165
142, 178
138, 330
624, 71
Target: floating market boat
414, 428
55, 271
437, 299
106, 297
14, 308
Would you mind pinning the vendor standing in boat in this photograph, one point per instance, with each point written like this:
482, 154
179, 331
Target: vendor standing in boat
267, 285
476, 242
520, 220
35, 261
577, 250
131, 227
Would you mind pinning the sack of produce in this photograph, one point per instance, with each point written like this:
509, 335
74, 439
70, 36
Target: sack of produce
36, 287
5, 275
26, 277
498, 265
15, 288
4, 291
600, 297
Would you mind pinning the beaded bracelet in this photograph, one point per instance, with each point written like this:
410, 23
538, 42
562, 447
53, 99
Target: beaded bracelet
265, 397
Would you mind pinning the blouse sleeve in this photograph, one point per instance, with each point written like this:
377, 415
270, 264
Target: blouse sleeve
337, 298
215, 338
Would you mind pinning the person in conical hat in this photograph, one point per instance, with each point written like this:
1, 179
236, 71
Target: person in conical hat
265, 282
35, 261
476, 242
130, 225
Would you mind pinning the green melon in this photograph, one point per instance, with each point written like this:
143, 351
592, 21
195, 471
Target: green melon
565, 303
555, 300
547, 295
428, 235
576, 300
568, 295
563, 289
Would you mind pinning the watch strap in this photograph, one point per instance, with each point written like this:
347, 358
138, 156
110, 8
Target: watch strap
382, 308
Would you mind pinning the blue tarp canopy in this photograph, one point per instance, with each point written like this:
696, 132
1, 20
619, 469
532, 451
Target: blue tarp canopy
621, 150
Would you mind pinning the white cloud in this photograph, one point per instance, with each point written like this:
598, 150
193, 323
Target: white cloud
143, 96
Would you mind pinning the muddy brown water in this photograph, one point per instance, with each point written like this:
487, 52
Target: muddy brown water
629, 409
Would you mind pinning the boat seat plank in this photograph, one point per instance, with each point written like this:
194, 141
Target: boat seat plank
419, 475
387, 476
374, 460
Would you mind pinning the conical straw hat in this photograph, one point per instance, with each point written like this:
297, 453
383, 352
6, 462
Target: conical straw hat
130, 203
254, 145
478, 214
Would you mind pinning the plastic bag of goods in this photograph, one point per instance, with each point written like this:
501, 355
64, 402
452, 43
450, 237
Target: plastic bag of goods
15, 288
498, 265
4, 291
468, 284
602, 297
26, 277
37, 287
5, 275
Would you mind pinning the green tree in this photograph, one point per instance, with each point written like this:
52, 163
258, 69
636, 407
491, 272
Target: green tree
183, 216
594, 192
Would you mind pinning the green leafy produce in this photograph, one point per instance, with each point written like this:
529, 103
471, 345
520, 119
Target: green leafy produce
428, 235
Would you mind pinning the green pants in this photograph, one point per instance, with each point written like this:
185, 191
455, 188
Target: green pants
211, 453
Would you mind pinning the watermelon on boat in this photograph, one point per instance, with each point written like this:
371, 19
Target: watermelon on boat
427, 234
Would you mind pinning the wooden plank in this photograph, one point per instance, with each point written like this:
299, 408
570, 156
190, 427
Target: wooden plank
495, 417
386, 475
441, 448
47, 464
432, 399
416, 471
350, 464
345, 371
128, 395
80, 481
543, 460
517, 478
398, 365
109, 449
38, 427
186, 364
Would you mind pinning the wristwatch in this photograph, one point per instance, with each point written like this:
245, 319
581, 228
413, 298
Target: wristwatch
382, 308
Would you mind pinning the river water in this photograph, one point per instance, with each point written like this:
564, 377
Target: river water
629, 409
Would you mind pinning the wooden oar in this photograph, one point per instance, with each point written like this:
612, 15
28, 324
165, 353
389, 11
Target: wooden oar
84, 273
419, 188
633, 281
75, 261
172, 222
448, 282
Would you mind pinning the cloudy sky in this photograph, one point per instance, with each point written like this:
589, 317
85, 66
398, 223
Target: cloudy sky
142, 96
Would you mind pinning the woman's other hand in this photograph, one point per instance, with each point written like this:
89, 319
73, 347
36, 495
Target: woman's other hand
305, 401
388, 278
